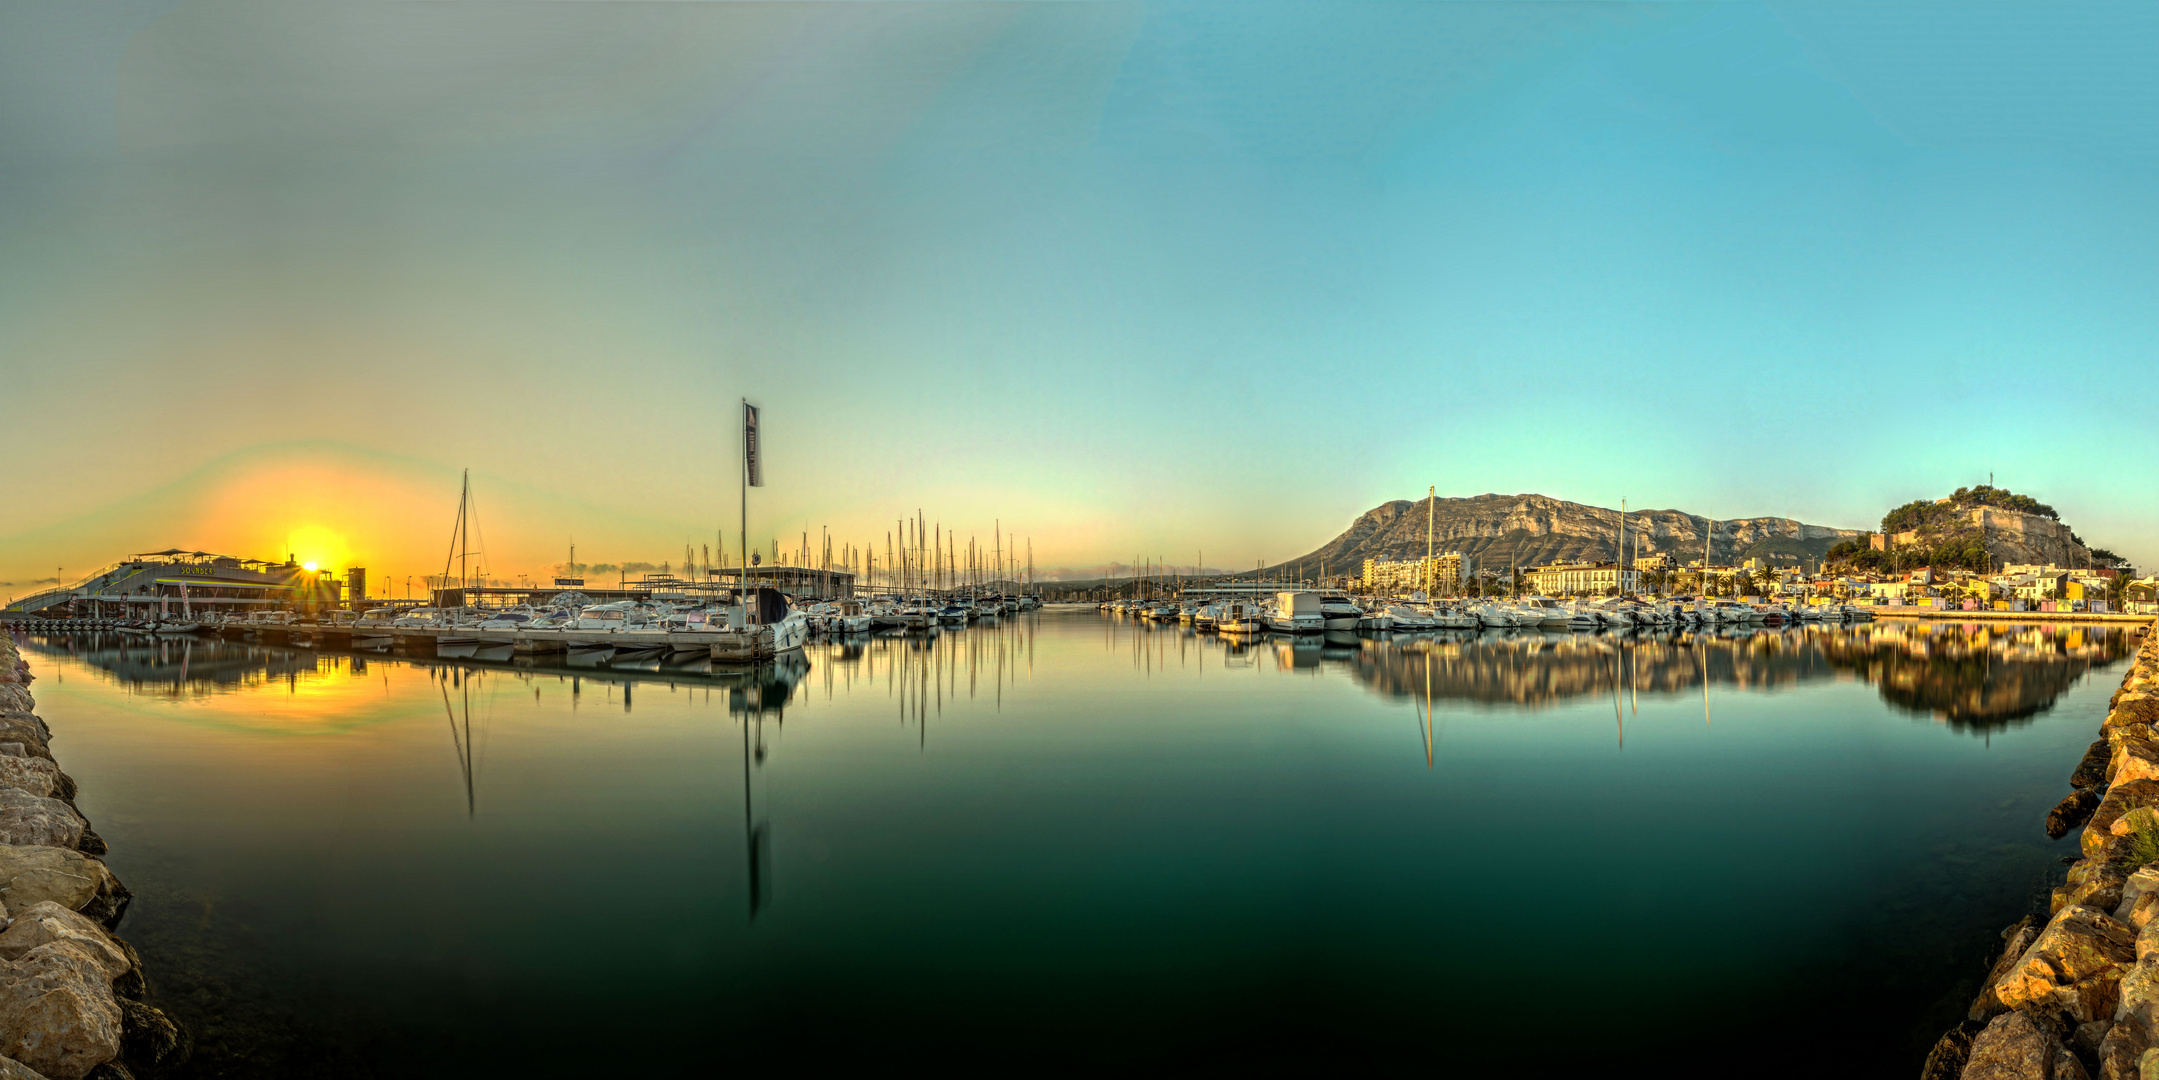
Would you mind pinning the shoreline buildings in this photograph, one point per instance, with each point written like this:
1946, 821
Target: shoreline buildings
1438, 575
1577, 579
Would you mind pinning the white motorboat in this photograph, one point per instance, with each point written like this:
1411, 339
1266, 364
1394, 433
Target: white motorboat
1494, 614
1455, 618
849, 617
1408, 617
1238, 617
1339, 612
763, 626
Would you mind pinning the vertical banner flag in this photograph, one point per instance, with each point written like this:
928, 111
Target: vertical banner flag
749, 445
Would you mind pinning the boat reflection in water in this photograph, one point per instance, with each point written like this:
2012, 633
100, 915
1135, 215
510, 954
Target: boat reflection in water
1974, 676
1967, 676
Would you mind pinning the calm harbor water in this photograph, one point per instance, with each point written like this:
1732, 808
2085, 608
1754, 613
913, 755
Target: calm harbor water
1066, 839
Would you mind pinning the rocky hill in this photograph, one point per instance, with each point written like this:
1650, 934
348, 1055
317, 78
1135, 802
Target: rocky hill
1527, 530
1978, 528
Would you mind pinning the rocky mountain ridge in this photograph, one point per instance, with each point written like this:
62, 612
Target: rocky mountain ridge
1529, 530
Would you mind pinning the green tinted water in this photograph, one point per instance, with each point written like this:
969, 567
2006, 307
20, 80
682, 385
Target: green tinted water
1070, 839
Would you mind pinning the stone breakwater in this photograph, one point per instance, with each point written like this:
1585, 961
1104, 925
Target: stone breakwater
2077, 996
71, 991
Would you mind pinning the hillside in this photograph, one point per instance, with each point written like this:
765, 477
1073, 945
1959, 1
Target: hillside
1977, 528
1527, 530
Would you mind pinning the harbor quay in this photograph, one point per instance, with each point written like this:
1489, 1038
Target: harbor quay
2084, 617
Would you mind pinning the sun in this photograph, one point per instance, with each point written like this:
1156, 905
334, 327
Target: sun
317, 546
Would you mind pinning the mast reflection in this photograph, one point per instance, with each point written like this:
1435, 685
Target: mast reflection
1968, 676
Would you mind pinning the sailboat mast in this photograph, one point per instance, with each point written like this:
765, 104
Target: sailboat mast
1431, 573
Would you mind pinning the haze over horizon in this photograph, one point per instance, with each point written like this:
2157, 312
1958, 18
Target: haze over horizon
1123, 279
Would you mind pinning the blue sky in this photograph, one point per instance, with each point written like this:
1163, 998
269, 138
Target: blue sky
1133, 279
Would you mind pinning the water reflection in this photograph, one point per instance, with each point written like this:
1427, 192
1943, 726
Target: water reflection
1166, 806
1970, 676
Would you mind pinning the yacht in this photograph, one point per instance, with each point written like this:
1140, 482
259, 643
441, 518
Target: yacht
764, 625
1339, 612
1296, 613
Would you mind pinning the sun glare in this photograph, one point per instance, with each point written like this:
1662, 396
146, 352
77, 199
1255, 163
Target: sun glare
316, 546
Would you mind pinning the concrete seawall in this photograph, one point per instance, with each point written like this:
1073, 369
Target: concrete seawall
2076, 995
71, 991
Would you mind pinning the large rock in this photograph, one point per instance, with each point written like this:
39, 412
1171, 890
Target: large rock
11, 1069
2134, 759
2013, 1047
2139, 1002
109, 906
2119, 800
32, 874
2140, 897
2134, 708
2073, 968
57, 1012
15, 697
2094, 883
28, 819
2075, 809
2092, 771
21, 733
2016, 938
46, 922
2121, 1051
149, 1040
38, 776
1951, 1051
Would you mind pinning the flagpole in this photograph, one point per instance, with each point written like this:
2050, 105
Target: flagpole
742, 578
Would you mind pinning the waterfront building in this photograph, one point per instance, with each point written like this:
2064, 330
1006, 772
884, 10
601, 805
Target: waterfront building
176, 583
1578, 579
1440, 575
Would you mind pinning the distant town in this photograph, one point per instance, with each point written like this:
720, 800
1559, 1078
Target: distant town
2015, 587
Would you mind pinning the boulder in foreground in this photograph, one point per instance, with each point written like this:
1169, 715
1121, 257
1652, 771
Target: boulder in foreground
46, 922
2013, 1047
29, 875
29, 819
2074, 967
57, 1012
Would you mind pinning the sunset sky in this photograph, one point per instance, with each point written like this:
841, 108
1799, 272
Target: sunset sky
1130, 279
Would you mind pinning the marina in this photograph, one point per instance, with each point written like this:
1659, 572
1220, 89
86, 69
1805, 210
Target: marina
660, 539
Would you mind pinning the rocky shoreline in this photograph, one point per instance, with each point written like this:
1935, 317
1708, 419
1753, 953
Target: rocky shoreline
2077, 996
71, 991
